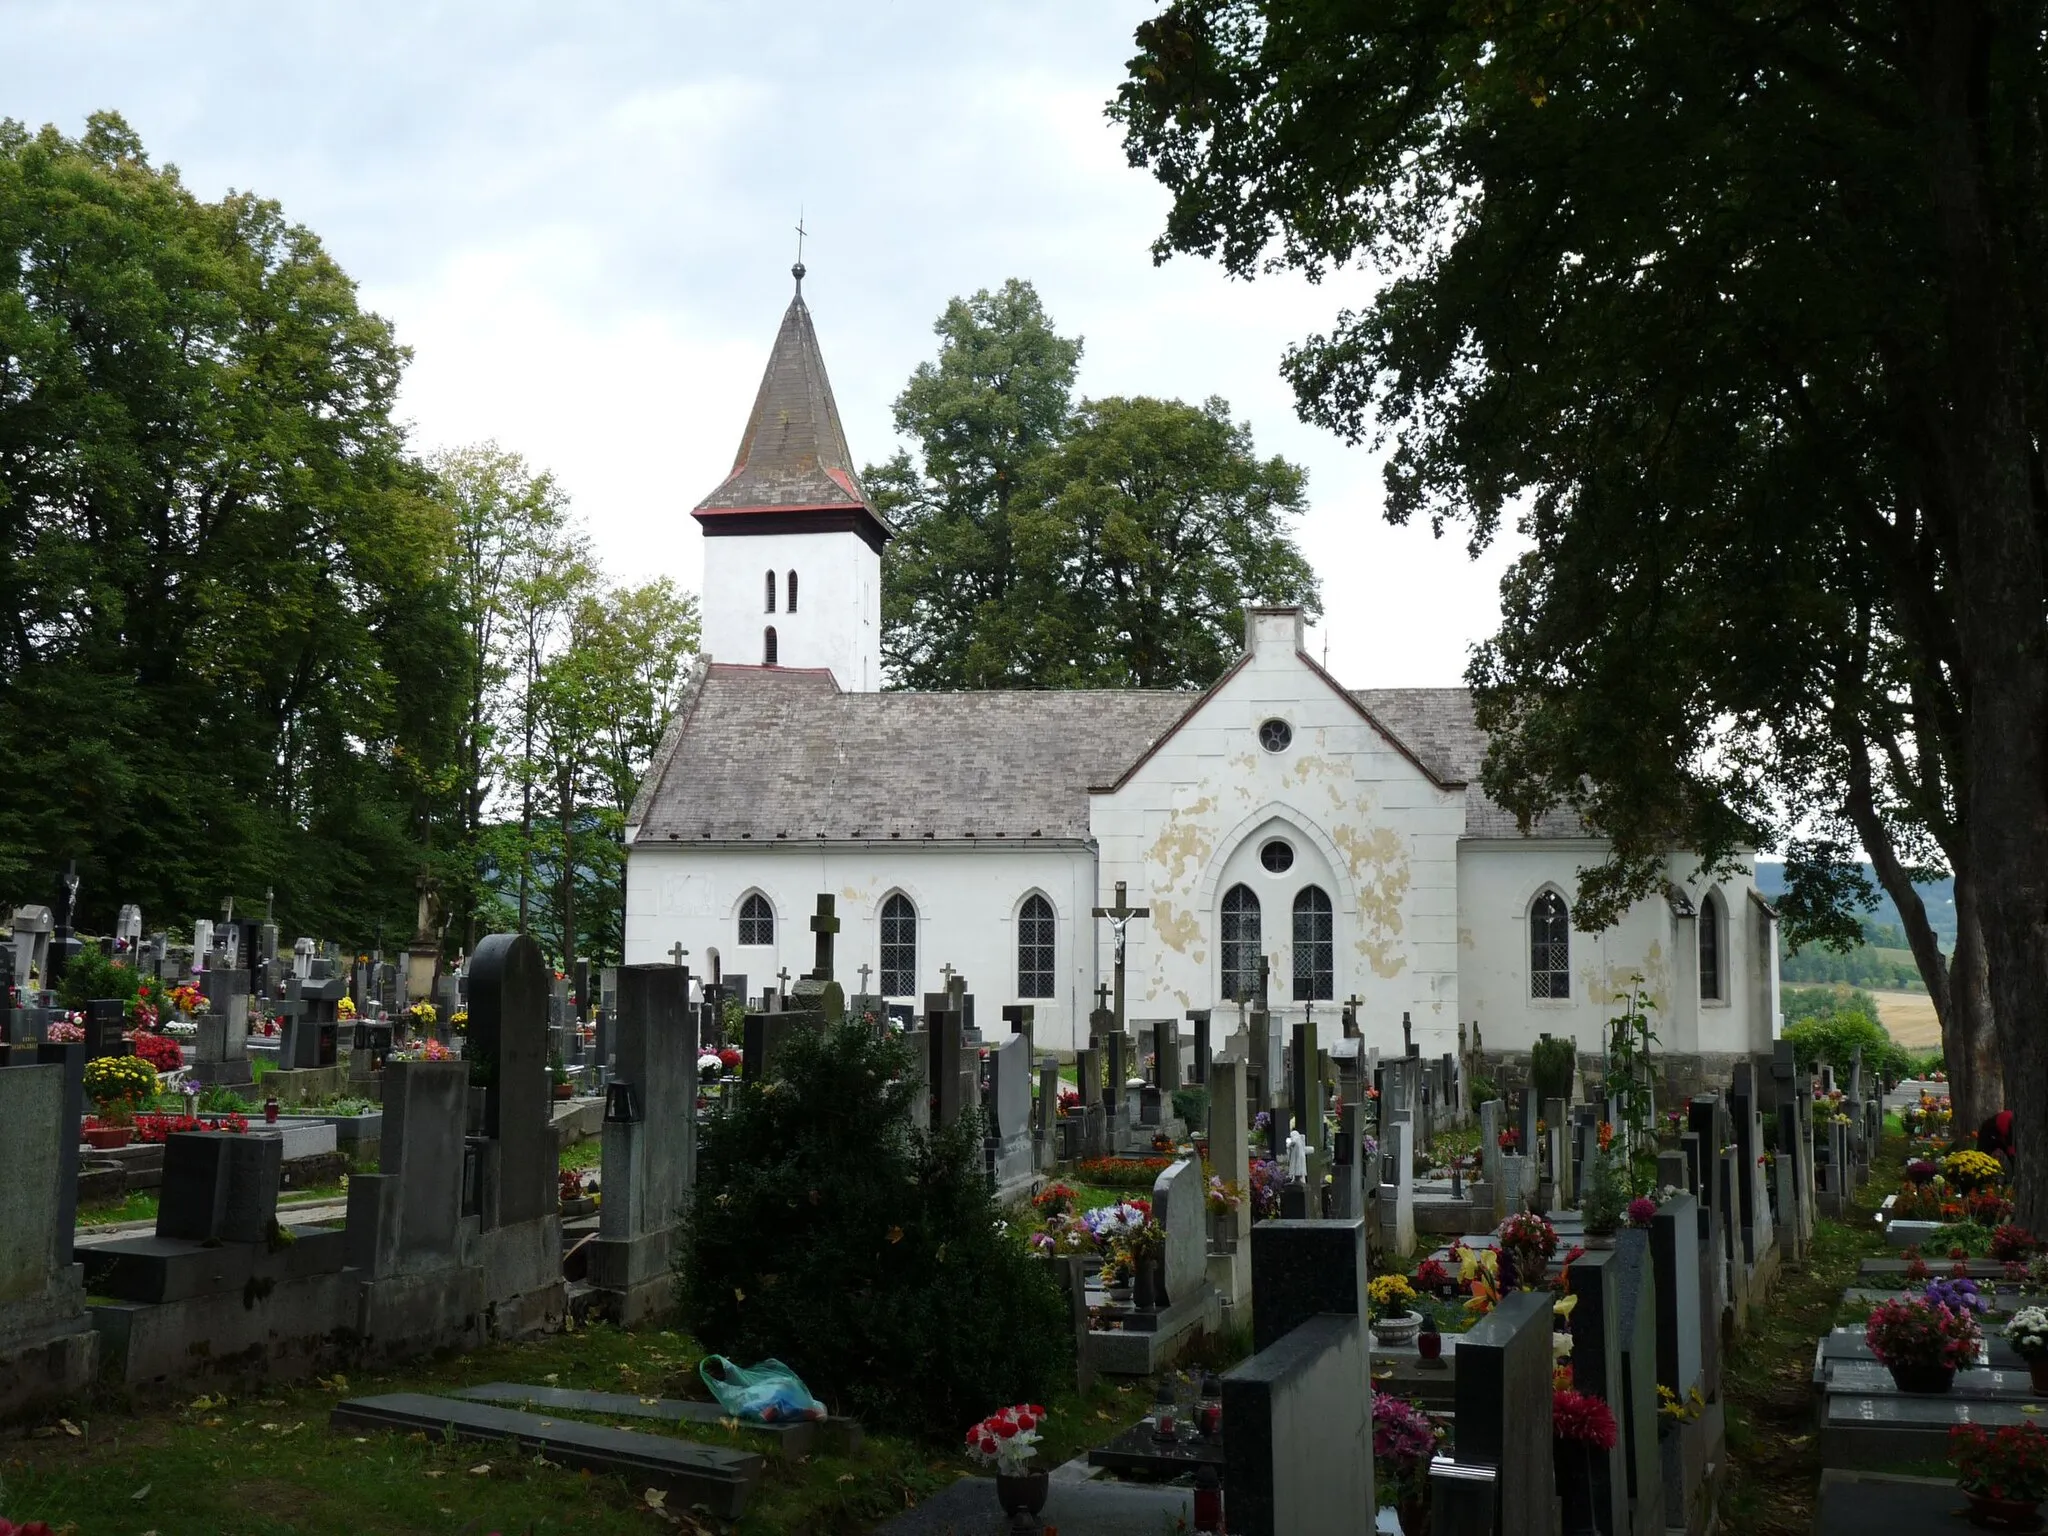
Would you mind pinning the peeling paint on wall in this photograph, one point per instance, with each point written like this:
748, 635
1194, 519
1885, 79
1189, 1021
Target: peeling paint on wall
1378, 861
1183, 842
1177, 929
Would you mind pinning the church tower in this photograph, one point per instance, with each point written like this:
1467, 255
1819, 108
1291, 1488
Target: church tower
792, 548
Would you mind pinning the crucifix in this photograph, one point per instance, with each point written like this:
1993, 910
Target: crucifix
676, 952
824, 925
1308, 1015
865, 972
1120, 917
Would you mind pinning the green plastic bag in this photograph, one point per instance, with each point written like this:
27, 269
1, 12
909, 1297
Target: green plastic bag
770, 1393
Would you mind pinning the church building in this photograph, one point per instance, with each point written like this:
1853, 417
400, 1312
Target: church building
1339, 834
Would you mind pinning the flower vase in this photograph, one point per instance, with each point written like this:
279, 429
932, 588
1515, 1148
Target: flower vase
2038, 1370
1022, 1496
1573, 1463
1989, 1514
1925, 1379
1413, 1515
1145, 1292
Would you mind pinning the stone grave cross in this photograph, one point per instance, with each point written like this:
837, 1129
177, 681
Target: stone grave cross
783, 977
865, 971
824, 925
676, 952
1120, 917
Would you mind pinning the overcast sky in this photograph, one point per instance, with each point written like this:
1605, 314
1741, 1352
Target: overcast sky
581, 220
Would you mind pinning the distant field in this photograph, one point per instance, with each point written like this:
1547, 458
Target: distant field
1908, 1017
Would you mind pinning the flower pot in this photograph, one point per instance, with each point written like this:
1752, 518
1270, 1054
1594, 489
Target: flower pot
108, 1137
1414, 1517
1929, 1379
1145, 1291
1022, 1494
1397, 1330
2038, 1370
564, 1090
1992, 1514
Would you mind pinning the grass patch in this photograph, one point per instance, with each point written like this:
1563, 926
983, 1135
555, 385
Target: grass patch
587, 1153
141, 1205
1766, 1380
262, 1462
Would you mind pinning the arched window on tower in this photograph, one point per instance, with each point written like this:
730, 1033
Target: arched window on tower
1710, 948
899, 947
1550, 947
789, 591
768, 646
770, 578
1240, 947
1035, 934
757, 920
1315, 947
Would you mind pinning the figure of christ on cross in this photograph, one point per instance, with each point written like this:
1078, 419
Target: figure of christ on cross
1120, 917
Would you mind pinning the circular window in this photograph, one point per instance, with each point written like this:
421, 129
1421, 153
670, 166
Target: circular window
1277, 856
1274, 735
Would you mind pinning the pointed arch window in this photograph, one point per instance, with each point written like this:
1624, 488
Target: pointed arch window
770, 578
1315, 947
1036, 931
899, 947
757, 920
1710, 948
768, 646
789, 592
1550, 947
1240, 934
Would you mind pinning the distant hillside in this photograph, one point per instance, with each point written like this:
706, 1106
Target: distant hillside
1939, 895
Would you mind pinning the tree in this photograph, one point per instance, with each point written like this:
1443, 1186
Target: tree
224, 604
1741, 304
1148, 529
995, 401
1041, 545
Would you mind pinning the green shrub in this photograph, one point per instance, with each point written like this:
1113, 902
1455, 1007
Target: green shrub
869, 1256
1550, 1068
91, 974
1191, 1108
1800, 1003
1479, 1090
1834, 1039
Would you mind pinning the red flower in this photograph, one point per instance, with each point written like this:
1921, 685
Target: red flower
1580, 1417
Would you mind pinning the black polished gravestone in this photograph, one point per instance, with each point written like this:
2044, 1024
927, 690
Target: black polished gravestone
1635, 1407
507, 1056
1596, 1370
1503, 1397
105, 1018
219, 1186
1303, 1268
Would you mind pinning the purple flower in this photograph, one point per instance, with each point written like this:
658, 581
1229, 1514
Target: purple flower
1958, 1296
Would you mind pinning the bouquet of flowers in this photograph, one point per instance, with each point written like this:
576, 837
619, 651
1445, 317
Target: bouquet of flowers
2027, 1332
2009, 1464
423, 1015
1403, 1441
1527, 1242
1581, 1419
1913, 1332
1055, 1200
709, 1066
1070, 1100
1509, 1139
188, 1000
1969, 1169
1641, 1211
1064, 1235
1006, 1439
1266, 1177
459, 1019
345, 1010
1430, 1275
1223, 1196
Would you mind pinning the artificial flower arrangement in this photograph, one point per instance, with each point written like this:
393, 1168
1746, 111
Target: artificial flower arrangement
1007, 1439
345, 1010
1527, 1242
1062, 1235
1222, 1195
729, 1057
1070, 1101
1390, 1295
1579, 1418
1266, 1178
2007, 1465
1404, 1441
188, 1000
160, 1051
423, 1015
1914, 1333
1509, 1139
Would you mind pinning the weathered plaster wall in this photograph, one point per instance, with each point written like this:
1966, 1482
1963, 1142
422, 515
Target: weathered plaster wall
1364, 821
966, 898
1498, 879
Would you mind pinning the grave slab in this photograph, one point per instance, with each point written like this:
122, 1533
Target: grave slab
1856, 1503
1876, 1432
839, 1436
721, 1479
968, 1508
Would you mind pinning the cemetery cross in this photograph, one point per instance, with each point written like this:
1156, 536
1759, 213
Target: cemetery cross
783, 977
865, 971
676, 952
824, 925
1120, 917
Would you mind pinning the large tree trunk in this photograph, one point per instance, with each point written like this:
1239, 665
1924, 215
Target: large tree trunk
1968, 1031
2000, 585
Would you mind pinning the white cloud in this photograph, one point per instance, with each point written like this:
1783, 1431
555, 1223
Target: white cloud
581, 220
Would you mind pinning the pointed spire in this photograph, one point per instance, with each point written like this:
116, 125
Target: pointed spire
793, 457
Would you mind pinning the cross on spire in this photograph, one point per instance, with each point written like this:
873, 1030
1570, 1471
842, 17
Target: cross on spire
797, 271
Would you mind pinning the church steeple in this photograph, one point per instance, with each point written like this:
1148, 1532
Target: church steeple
792, 553
793, 457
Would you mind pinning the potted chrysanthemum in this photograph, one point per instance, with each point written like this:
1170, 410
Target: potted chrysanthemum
1922, 1343
1394, 1317
2027, 1332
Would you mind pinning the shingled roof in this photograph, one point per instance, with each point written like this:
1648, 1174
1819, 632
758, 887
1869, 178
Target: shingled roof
773, 754
793, 455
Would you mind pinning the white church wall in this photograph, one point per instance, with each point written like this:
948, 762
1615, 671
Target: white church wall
1498, 881
836, 623
967, 899
1360, 815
